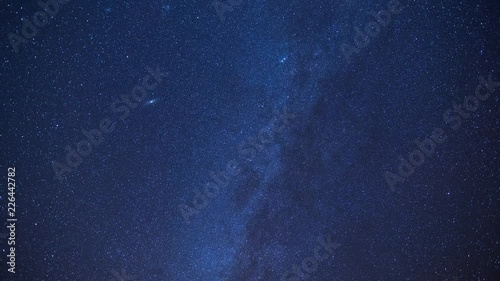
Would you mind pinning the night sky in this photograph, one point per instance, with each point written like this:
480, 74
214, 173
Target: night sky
239, 140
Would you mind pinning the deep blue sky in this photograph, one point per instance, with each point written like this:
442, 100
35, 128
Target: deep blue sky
223, 84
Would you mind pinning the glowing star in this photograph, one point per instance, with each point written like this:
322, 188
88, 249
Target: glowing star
152, 101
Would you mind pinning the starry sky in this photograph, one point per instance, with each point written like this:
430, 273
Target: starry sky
228, 140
